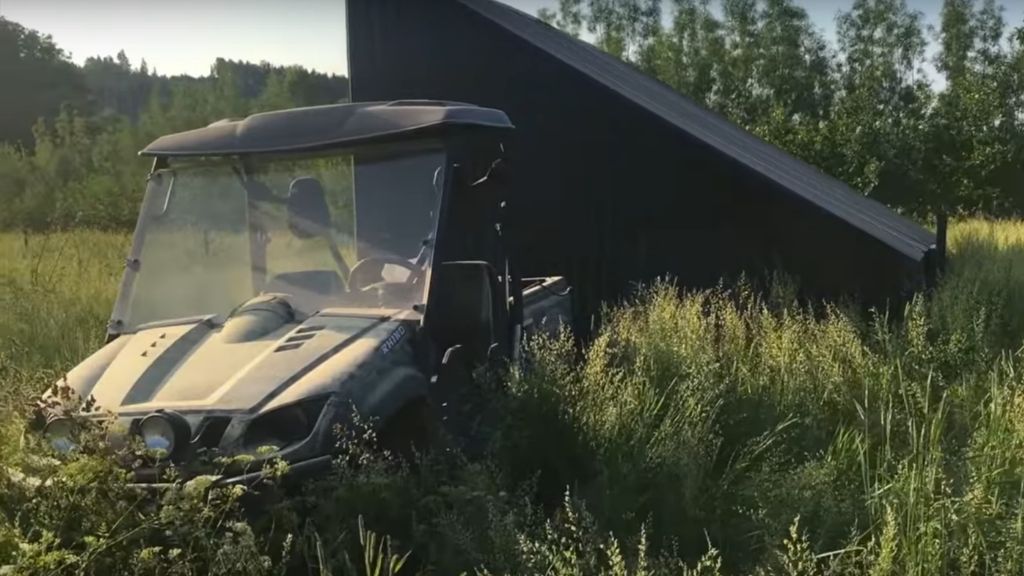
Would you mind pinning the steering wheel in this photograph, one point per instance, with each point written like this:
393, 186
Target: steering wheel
369, 271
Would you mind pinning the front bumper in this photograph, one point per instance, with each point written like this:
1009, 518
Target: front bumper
296, 472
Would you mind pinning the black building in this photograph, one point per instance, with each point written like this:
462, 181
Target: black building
619, 178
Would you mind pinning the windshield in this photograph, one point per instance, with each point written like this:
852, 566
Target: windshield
352, 230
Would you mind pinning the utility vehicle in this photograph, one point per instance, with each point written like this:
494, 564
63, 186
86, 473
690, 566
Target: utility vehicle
294, 268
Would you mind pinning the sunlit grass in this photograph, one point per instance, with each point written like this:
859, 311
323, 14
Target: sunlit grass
56, 294
720, 425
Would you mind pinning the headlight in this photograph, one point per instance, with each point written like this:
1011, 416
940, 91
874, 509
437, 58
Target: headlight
165, 432
60, 432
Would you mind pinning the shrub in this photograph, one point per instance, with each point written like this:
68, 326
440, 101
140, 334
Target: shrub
711, 432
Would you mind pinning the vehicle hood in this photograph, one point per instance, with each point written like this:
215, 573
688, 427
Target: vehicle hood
196, 367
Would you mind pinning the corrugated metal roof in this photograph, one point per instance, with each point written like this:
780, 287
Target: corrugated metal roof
786, 170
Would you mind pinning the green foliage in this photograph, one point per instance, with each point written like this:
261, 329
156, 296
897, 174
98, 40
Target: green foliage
78, 165
705, 433
861, 110
38, 78
716, 432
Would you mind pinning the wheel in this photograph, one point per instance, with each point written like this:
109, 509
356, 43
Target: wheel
409, 431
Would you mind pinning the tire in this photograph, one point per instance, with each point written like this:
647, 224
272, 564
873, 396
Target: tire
409, 431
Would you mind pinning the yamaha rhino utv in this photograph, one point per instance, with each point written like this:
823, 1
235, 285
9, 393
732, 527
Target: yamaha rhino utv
294, 268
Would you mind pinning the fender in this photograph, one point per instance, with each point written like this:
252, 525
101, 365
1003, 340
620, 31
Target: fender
389, 391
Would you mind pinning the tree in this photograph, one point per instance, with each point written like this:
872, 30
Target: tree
990, 28
568, 18
80, 168
690, 51
878, 127
794, 67
38, 78
116, 88
1015, 108
626, 28
974, 127
738, 95
956, 38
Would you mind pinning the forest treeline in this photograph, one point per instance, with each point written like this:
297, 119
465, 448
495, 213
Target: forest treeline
69, 134
923, 130
862, 108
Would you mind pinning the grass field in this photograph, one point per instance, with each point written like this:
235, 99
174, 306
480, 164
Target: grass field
712, 433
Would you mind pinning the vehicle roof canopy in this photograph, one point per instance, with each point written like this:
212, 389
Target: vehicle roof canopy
322, 127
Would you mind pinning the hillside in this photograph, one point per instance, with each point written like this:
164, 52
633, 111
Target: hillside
70, 153
43, 79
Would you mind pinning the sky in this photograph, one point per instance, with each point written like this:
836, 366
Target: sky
185, 36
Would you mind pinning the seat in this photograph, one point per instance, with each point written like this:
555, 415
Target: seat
323, 283
310, 217
308, 214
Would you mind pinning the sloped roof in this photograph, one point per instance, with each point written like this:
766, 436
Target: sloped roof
787, 171
319, 127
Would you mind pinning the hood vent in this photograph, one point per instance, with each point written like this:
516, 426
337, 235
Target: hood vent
298, 338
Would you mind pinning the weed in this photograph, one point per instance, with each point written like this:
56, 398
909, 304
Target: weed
711, 432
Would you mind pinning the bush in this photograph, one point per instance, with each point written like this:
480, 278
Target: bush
704, 433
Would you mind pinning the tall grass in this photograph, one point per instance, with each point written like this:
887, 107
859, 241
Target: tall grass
56, 294
713, 432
